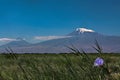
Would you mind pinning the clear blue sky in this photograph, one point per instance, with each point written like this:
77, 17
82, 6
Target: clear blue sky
30, 18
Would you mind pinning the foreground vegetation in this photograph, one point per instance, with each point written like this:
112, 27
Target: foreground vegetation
58, 67
77, 65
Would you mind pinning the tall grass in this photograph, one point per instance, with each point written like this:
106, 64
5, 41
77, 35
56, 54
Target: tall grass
75, 66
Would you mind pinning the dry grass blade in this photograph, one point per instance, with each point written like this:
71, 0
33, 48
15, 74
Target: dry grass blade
97, 47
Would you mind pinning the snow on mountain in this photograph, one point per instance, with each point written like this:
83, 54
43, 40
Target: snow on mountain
82, 30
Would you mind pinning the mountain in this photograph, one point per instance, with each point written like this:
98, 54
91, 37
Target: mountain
80, 31
81, 38
19, 42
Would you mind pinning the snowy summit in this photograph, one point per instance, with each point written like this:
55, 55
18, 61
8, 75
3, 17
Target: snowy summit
82, 30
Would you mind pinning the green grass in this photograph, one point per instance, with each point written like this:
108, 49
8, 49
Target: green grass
77, 66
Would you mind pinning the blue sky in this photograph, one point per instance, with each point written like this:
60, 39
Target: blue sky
31, 18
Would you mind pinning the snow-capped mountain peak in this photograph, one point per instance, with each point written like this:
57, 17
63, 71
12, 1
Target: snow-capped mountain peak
82, 30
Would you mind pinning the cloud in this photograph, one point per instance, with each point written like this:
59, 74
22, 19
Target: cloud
50, 37
6, 39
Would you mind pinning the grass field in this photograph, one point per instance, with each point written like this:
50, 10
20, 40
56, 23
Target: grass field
76, 66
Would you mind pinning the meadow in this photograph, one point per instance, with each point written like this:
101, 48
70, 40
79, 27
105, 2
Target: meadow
77, 65
73, 66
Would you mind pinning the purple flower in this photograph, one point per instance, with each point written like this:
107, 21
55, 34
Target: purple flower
98, 62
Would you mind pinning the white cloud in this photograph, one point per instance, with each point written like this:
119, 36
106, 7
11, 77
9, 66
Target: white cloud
50, 37
6, 39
